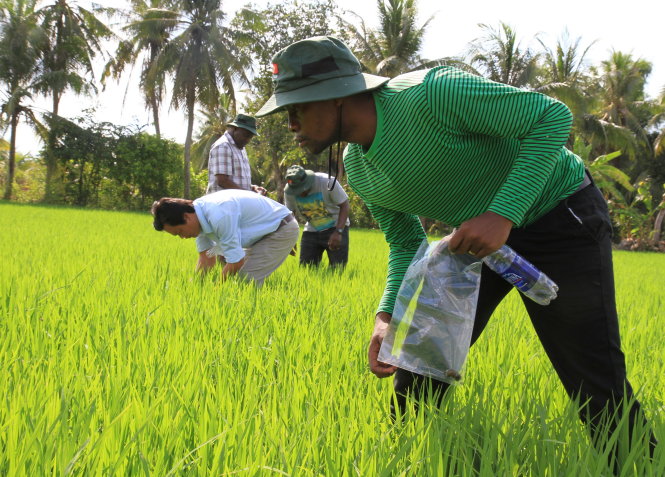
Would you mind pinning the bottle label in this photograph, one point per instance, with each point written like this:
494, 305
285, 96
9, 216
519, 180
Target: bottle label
521, 274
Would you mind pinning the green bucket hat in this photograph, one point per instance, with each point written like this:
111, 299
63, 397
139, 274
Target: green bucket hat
298, 180
316, 69
245, 122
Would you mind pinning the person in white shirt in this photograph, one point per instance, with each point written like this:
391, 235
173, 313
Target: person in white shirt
251, 233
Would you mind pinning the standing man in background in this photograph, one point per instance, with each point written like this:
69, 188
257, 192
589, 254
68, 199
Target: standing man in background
228, 164
327, 214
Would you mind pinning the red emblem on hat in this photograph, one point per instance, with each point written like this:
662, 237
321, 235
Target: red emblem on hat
275, 69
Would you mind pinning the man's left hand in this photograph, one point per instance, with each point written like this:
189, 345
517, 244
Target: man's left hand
335, 240
481, 235
259, 189
378, 368
231, 269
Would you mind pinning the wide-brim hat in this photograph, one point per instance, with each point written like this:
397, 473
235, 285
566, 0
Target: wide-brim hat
245, 122
316, 69
298, 180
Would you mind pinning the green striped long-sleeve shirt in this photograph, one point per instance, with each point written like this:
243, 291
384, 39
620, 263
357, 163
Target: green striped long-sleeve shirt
450, 146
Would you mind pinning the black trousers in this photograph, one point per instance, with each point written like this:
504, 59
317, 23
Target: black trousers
313, 244
579, 329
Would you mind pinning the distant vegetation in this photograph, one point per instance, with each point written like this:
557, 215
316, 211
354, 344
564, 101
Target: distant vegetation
193, 57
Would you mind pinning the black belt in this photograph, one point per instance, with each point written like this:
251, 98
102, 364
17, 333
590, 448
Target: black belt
585, 182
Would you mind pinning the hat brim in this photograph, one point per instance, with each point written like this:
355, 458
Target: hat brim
304, 186
323, 90
243, 126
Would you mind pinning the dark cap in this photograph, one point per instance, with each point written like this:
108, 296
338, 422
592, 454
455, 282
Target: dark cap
298, 180
245, 122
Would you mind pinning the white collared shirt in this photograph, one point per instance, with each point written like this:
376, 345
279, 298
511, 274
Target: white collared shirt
234, 219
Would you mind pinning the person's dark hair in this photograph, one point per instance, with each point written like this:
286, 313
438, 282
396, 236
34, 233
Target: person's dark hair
170, 211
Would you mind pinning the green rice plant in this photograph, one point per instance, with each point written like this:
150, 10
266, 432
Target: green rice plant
116, 360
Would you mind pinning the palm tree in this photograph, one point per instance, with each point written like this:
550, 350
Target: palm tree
149, 30
605, 136
655, 121
203, 54
500, 58
214, 127
621, 102
393, 48
73, 39
564, 75
623, 80
19, 42
605, 175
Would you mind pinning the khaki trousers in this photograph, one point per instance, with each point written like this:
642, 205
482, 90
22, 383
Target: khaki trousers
267, 254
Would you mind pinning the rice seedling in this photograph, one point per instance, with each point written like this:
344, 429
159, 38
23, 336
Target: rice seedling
114, 360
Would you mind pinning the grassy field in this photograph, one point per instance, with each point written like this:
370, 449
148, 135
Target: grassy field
113, 361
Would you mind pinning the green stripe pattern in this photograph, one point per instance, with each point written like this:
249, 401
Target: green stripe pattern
450, 146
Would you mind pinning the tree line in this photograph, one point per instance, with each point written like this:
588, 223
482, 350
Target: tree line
193, 56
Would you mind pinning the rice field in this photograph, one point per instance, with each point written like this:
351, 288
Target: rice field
114, 360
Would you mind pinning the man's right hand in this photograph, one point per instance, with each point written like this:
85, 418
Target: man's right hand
381, 370
205, 263
481, 235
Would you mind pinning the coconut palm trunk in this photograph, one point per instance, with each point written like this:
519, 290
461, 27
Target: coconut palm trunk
191, 103
152, 92
11, 159
658, 226
154, 106
51, 160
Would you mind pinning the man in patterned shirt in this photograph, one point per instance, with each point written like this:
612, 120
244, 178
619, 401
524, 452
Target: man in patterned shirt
228, 164
488, 159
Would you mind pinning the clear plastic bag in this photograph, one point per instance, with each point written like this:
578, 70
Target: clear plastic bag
430, 330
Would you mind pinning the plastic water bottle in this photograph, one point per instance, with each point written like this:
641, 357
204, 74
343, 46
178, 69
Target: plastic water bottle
522, 274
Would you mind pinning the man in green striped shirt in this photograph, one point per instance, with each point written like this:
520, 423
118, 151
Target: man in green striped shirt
486, 158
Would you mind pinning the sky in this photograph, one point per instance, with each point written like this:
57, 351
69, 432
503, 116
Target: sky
633, 28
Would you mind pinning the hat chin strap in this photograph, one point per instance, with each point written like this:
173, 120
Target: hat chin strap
330, 149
